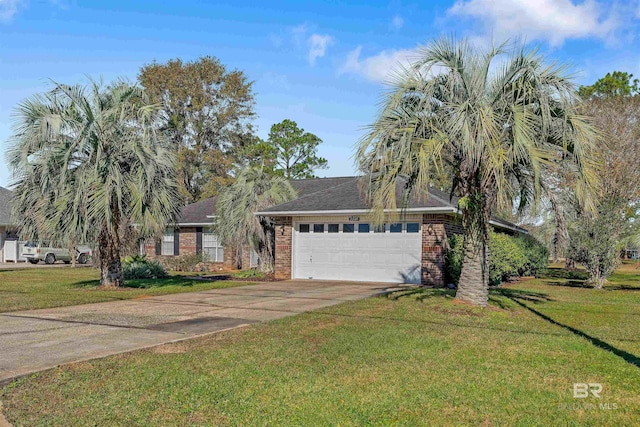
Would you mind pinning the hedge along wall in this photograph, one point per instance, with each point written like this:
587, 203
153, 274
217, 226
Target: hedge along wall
509, 256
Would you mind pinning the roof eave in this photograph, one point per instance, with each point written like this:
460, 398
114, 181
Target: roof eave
453, 210
354, 211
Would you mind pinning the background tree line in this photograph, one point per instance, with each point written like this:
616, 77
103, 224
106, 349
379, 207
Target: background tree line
207, 112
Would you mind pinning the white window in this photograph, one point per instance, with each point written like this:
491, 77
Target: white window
211, 248
167, 242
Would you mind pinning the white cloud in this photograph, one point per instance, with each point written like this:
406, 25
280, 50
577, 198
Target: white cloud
298, 33
553, 21
318, 44
276, 40
377, 68
397, 22
8, 8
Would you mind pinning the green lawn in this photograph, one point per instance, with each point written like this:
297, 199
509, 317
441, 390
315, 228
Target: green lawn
30, 288
411, 358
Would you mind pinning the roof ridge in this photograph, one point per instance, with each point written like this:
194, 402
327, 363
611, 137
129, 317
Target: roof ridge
438, 198
326, 177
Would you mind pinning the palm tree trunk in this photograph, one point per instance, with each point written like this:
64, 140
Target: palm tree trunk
473, 286
73, 252
266, 260
111, 274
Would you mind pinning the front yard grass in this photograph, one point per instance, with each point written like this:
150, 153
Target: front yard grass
32, 288
409, 358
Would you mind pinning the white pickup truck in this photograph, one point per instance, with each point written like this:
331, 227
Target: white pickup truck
35, 252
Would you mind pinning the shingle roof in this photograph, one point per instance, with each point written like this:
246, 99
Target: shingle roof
347, 194
200, 212
309, 186
344, 194
5, 206
330, 194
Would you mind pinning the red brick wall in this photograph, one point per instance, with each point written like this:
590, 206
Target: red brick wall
230, 261
150, 248
245, 260
434, 243
436, 228
283, 247
188, 246
187, 243
187, 240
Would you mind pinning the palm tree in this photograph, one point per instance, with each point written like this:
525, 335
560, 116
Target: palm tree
88, 161
254, 189
496, 125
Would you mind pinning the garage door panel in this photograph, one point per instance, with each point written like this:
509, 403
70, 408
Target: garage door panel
381, 257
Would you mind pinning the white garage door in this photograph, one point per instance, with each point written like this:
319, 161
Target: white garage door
357, 251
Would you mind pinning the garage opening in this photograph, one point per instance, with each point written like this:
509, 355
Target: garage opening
358, 251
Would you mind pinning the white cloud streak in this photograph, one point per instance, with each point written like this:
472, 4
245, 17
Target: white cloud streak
377, 68
318, 44
8, 8
553, 21
397, 22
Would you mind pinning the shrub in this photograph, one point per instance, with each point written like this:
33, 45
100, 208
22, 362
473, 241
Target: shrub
453, 259
536, 256
249, 274
506, 258
138, 267
187, 262
510, 256
596, 243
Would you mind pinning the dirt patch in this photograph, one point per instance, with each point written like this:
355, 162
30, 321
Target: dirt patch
471, 308
3, 420
109, 288
177, 348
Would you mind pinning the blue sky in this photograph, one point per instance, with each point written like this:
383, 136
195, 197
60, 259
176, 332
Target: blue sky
322, 64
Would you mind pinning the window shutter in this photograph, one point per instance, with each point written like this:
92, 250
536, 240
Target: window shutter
198, 240
158, 247
176, 242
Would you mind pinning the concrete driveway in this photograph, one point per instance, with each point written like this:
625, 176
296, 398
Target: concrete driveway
35, 340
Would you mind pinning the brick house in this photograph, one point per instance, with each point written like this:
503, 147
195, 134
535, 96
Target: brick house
327, 233
192, 235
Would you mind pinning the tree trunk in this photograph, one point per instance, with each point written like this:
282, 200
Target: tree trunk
569, 264
110, 266
473, 285
596, 276
597, 280
266, 260
73, 252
